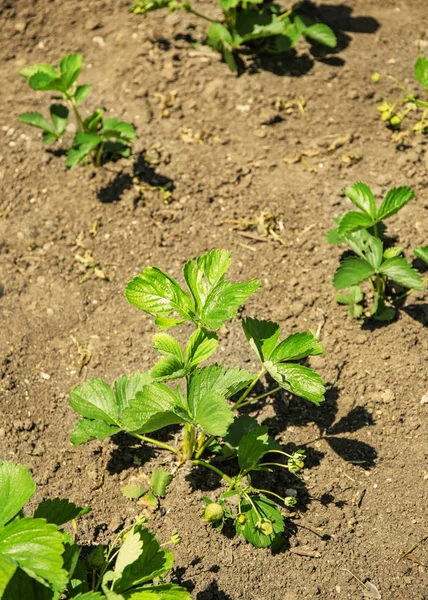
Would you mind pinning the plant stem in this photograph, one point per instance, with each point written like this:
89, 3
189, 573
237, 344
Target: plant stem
189, 441
272, 493
99, 154
200, 15
79, 120
249, 388
150, 440
256, 398
203, 463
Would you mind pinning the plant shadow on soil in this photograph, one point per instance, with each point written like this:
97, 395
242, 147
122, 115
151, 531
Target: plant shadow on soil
143, 171
211, 591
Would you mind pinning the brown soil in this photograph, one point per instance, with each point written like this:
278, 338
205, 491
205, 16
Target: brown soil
220, 150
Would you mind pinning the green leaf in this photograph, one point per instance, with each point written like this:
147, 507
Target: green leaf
394, 201
59, 511
361, 195
159, 481
422, 253
153, 561
212, 413
39, 68
167, 345
159, 295
165, 591
253, 446
260, 508
352, 271
95, 400
16, 488
366, 246
223, 303
353, 221
200, 346
262, 335
36, 547
333, 237
129, 553
298, 380
59, 116
115, 128
83, 145
322, 34
356, 294
152, 409
385, 314
90, 596
203, 274
392, 252
297, 346
168, 368
86, 430
92, 122
421, 71
355, 311
36, 120
82, 92
127, 387
402, 272
226, 382
133, 491
70, 67
343, 299
240, 426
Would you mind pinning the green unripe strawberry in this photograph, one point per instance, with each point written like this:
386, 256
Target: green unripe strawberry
386, 115
213, 512
242, 519
395, 121
265, 527
375, 77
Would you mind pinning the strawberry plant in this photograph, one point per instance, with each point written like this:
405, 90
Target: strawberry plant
259, 23
205, 400
393, 113
386, 270
369, 216
98, 139
40, 560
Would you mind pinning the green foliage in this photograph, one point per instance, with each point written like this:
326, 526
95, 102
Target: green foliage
394, 113
39, 560
383, 269
369, 216
257, 23
97, 139
147, 402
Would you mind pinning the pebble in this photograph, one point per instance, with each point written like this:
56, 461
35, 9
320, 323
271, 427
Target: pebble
424, 399
387, 396
98, 39
20, 26
115, 524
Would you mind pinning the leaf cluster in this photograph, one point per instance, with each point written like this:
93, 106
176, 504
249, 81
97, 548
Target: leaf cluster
204, 398
256, 22
97, 138
40, 560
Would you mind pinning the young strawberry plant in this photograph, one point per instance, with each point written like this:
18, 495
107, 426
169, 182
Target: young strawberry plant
393, 113
369, 216
205, 400
386, 270
258, 23
362, 230
40, 560
98, 139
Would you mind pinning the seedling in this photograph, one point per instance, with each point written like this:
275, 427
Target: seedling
362, 230
258, 23
206, 398
98, 139
393, 113
40, 560
368, 216
386, 270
